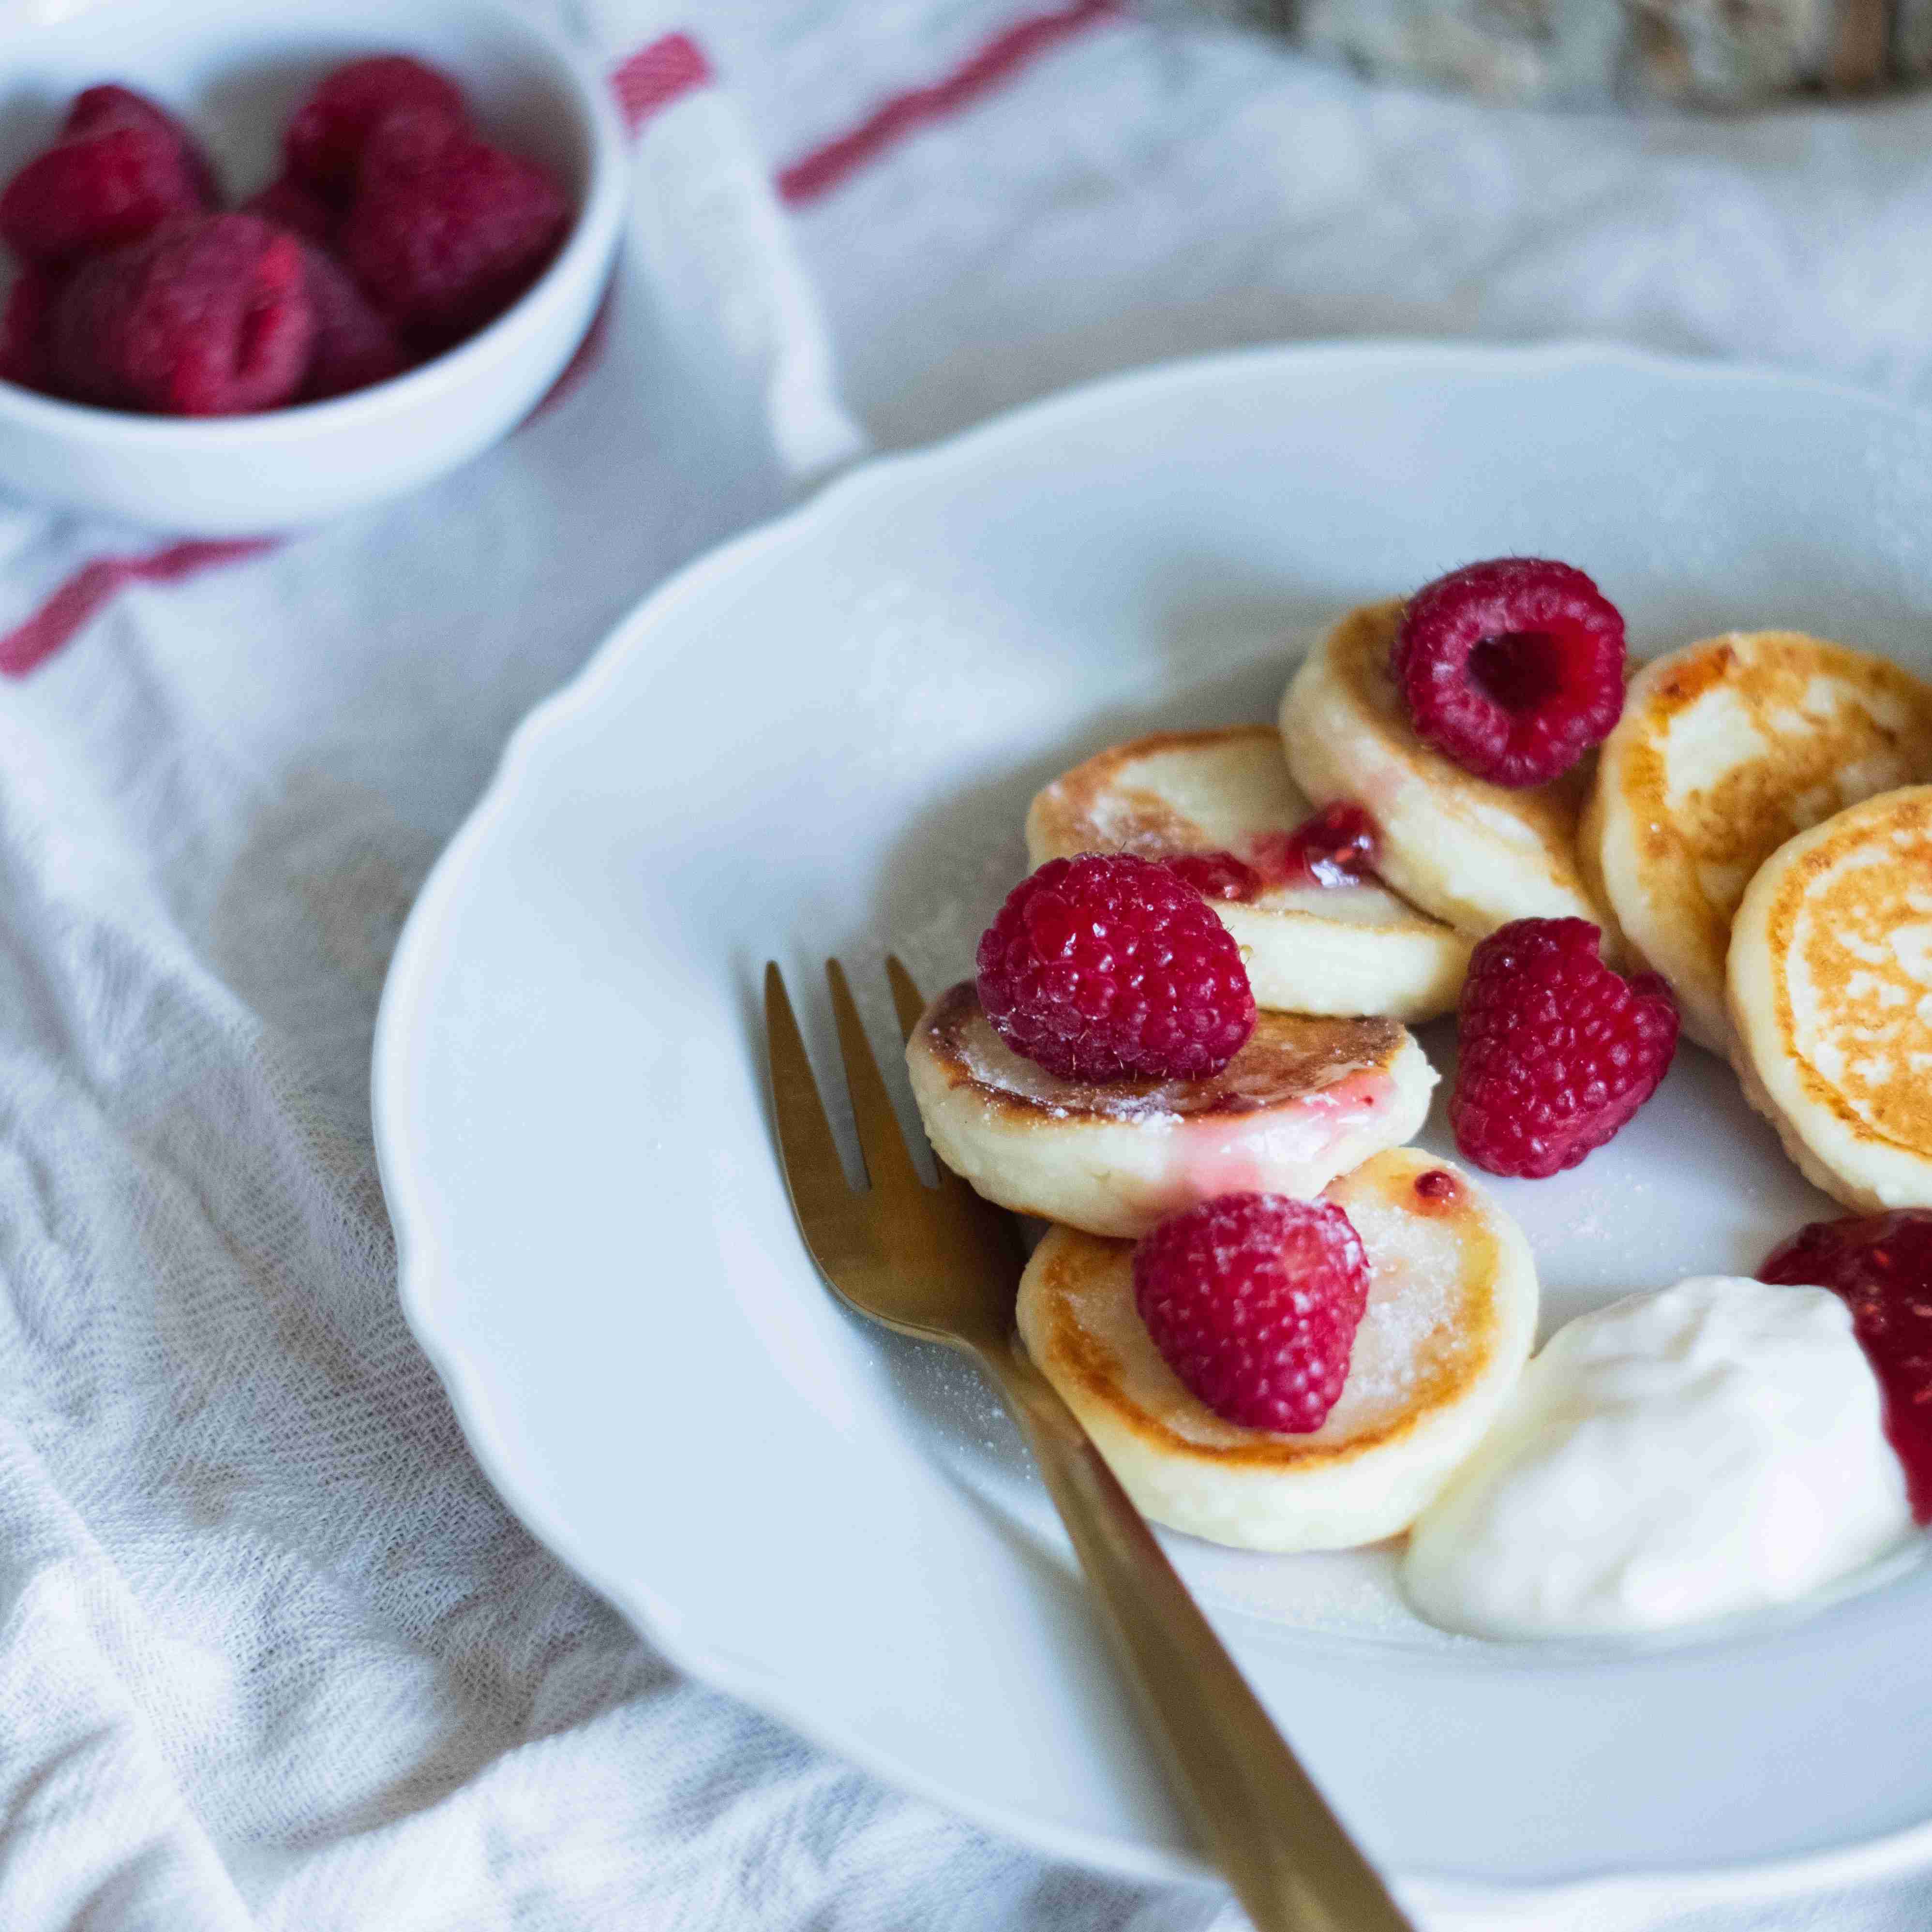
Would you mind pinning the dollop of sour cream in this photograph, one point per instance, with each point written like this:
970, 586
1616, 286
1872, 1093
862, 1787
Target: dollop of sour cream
1714, 1447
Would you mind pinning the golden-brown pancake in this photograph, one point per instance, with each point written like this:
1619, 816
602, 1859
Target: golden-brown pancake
1304, 1100
1726, 749
1309, 949
1451, 1314
1831, 999
1475, 854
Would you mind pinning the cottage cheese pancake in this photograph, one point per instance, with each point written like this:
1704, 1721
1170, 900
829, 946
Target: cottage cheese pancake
1831, 1000
1305, 1099
1309, 948
1726, 749
1475, 854
1451, 1314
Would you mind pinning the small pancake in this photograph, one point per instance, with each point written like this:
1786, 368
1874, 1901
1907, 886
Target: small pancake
1304, 1100
1831, 996
1308, 948
1726, 749
1452, 1312
1475, 854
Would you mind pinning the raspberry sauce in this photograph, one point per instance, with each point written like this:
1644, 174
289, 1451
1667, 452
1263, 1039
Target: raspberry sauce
1214, 875
1881, 1266
1337, 847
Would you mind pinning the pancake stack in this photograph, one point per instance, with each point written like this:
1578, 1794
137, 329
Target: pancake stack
1309, 949
1757, 829
1726, 749
1758, 825
1474, 854
1320, 1103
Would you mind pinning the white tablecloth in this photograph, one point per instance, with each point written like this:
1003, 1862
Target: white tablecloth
272, 1655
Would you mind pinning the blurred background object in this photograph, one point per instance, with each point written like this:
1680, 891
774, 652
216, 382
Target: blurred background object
1693, 53
1703, 53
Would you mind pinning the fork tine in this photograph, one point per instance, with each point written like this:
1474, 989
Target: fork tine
813, 1171
906, 997
887, 1161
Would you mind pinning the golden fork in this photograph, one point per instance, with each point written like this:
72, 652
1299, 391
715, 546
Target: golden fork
942, 1263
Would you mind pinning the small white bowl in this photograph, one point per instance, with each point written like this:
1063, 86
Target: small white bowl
234, 69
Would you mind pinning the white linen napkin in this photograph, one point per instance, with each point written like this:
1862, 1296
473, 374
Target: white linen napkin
272, 1655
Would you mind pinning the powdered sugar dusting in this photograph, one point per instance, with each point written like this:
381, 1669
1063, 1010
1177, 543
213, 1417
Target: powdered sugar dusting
1416, 1286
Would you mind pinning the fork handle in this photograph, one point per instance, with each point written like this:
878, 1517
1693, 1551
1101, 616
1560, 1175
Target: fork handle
1290, 1863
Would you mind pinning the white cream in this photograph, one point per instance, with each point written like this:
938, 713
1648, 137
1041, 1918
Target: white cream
1714, 1447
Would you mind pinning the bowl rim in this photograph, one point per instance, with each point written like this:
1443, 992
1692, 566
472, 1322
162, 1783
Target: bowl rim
583, 254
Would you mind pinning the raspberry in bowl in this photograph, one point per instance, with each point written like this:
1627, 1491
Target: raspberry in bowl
184, 116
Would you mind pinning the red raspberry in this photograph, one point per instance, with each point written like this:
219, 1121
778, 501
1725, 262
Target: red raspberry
120, 169
23, 328
209, 316
1253, 1300
354, 347
1557, 1050
1214, 875
109, 105
323, 145
1512, 668
1881, 1265
1108, 966
447, 231
406, 140
287, 203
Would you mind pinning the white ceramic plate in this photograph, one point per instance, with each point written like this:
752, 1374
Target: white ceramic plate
821, 740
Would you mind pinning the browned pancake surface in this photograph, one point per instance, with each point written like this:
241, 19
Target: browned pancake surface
1426, 1337
1288, 1058
1850, 930
1821, 751
1089, 810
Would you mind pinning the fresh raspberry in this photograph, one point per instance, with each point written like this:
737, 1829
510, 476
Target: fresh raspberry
1253, 1300
287, 203
1881, 1265
1512, 668
109, 105
1108, 966
447, 233
1556, 1050
209, 316
120, 169
354, 346
1214, 875
23, 328
405, 141
323, 145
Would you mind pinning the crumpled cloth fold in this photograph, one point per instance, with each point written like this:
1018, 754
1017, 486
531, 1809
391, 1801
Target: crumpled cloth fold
272, 1656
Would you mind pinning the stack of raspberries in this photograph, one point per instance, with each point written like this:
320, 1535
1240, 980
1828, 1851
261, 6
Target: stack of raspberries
393, 232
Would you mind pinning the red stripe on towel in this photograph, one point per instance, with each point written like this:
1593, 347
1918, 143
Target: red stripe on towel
30, 644
655, 75
1012, 50
644, 82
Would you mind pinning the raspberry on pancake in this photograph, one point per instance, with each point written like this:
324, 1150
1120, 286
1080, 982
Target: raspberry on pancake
1450, 1314
1305, 1099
